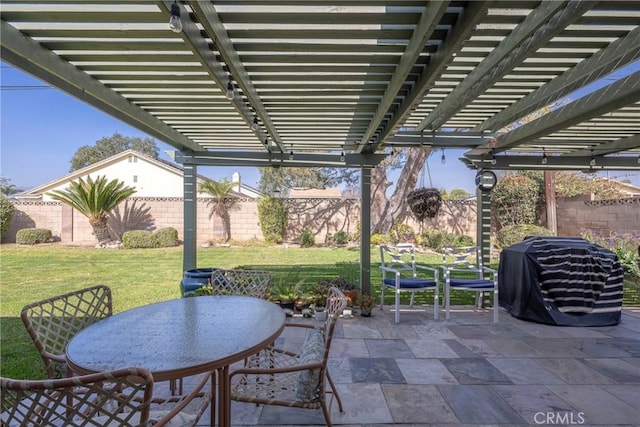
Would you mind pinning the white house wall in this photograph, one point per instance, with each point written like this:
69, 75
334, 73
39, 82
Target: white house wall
148, 178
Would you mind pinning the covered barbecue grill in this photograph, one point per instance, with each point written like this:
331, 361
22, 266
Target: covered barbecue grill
561, 281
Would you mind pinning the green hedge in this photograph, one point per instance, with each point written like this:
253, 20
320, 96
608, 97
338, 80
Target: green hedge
512, 234
31, 236
6, 215
161, 238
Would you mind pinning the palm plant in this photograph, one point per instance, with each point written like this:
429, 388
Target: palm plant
221, 202
95, 199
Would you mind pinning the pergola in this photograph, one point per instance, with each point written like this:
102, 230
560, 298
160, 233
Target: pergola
520, 84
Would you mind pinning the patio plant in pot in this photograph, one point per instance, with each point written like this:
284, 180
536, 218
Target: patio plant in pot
366, 303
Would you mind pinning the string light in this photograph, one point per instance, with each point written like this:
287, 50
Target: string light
175, 24
544, 157
443, 159
493, 158
254, 125
230, 90
291, 155
342, 156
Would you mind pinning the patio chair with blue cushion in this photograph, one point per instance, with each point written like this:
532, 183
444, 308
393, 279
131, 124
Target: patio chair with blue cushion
463, 271
401, 273
120, 398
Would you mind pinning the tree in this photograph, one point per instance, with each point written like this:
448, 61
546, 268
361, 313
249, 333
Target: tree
455, 194
110, 146
220, 203
6, 188
95, 199
282, 180
387, 211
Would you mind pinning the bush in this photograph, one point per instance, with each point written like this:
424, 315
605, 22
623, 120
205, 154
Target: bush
166, 237
31, 236
137, 239
6, 215
625, 246
516, 200
307, 239
513, 234
273, 218
401, 233
340, 238
161, 238
379, 239
436, 239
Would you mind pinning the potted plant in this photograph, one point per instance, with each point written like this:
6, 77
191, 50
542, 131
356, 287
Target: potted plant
366, 303
349, 289
424, 202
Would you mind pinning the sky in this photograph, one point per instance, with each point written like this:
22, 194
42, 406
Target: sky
42, 128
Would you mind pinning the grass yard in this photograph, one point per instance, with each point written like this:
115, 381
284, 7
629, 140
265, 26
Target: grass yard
143, 276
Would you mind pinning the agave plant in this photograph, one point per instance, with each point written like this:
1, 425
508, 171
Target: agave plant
95, 199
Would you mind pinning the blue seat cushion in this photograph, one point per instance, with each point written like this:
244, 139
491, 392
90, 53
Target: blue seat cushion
411, 283
471, 283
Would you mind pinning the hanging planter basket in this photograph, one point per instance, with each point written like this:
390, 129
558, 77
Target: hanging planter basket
424, 202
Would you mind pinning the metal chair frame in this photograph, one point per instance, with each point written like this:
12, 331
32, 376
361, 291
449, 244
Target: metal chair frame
396, 267
462, 265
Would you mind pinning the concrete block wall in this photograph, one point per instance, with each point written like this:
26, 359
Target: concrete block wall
601, 216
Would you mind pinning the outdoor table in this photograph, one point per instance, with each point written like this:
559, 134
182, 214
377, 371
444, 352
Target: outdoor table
179, 338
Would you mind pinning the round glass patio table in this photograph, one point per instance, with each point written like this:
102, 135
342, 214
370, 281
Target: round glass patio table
179, 338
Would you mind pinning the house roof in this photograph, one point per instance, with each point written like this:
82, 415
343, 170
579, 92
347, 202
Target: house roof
350, 76
96, 167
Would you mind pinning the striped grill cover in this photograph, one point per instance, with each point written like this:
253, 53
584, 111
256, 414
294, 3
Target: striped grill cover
560, 280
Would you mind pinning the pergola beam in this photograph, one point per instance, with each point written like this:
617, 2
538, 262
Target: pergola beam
545, 22
429, 19
263, 159
622, 144
625, 91
28, 55
208, 17
437, 62
619, 53
583, 163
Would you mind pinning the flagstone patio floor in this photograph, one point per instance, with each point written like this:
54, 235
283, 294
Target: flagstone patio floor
470, 371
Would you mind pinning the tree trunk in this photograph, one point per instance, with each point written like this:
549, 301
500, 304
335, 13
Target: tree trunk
385, 212
101, 230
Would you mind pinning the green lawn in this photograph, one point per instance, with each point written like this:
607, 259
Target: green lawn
142, 276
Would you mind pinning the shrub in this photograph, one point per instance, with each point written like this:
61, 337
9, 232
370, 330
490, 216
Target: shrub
273, 218
516, 200
134, 239
6, 215
161, 238
513, 234
166, 237
307, 239
340, 238
436, 239
625, 246
401, 233
379, 239
31, 236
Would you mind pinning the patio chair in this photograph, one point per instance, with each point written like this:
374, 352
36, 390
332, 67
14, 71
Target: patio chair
52, 322
401, 273
459, 275
122, 398
252, 283
280, 377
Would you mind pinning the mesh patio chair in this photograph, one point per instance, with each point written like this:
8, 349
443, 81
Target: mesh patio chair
251, 283
459, 275
120, 398
401, 273
280, 377
52, 322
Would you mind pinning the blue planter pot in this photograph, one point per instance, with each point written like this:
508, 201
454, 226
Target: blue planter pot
195, 279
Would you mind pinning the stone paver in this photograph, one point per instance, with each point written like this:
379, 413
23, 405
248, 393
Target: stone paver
468, 371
